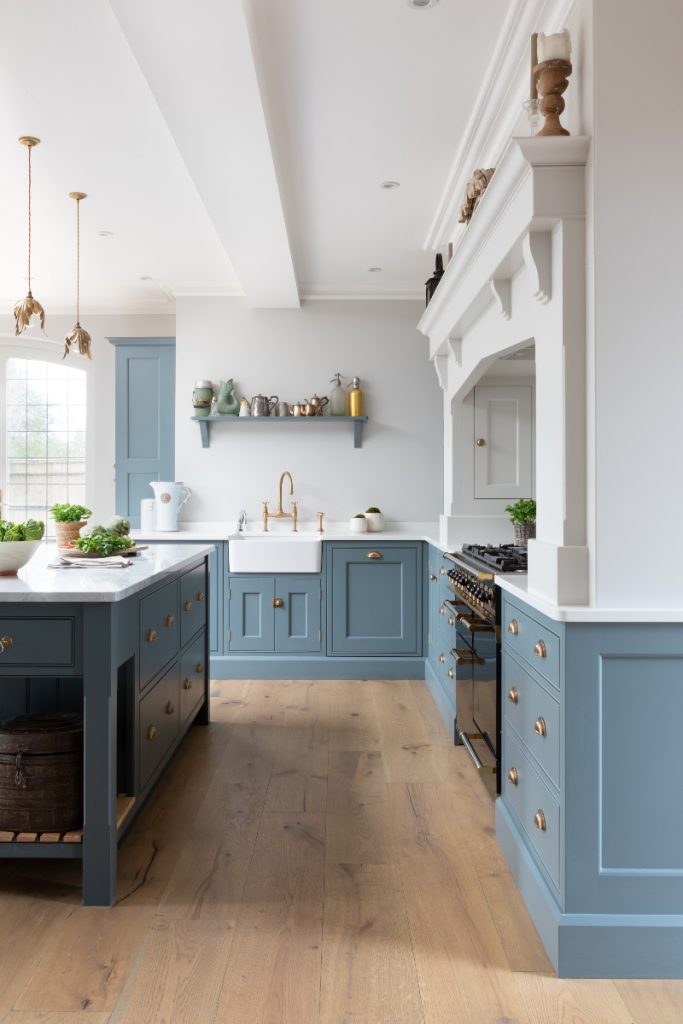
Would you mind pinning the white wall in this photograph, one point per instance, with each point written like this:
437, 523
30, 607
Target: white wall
293, 353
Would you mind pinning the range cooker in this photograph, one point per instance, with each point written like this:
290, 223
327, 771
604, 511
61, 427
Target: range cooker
476, 604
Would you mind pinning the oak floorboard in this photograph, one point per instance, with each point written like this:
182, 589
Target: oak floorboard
572, 1001
358, 812
29, 1017
652, 1002
408, 754
28, 927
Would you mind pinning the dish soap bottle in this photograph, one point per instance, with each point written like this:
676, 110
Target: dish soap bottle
356, 398
337, 397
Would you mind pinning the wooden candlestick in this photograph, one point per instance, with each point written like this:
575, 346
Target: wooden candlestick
551, 76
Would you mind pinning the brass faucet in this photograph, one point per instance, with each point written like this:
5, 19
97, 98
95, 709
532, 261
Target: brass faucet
281, 514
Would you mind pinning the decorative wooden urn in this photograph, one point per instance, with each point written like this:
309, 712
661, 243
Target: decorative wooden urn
552, 80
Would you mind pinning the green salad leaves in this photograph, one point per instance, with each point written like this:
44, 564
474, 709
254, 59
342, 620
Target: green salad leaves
101, 541
32, 529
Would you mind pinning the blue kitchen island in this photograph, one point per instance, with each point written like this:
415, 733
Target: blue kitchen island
129, 648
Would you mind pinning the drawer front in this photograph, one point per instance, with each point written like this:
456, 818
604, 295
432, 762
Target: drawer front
192, 675
159, 722
532, 641
27, 643
158, 631
528, 797
534, 714
193, 591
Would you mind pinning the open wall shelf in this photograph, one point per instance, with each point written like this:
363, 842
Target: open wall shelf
206, 424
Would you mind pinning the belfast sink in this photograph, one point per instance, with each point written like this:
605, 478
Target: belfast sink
275, 553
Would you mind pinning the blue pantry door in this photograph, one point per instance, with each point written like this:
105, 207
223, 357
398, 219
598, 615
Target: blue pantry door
145, 419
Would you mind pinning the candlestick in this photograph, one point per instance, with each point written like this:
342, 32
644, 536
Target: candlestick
533, 91
552, 78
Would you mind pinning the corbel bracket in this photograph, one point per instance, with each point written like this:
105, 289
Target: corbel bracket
537, 252
502, 294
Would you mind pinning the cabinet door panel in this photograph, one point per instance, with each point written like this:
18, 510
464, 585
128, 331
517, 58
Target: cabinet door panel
502, 421
376, 605
251, 614
297, 622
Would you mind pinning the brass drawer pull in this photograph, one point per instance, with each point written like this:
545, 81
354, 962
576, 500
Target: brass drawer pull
200, 668
170, 707
187, 684
539, 820
152, 732
451, 674
170, 621
201, 596
432, 577
375, 554
5, 643
513, 777
187, 607
540, 727
151, 636
540, 649
442, 658
513, 627
513, 695
278, 602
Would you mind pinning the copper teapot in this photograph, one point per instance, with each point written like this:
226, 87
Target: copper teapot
315, 406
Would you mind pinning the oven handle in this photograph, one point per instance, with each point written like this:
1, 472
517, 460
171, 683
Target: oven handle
483, 769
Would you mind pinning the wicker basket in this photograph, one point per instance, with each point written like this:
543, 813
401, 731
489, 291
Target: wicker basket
524, 532
67, 533
41, 773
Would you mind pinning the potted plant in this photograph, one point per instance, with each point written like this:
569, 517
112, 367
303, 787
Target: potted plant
375, 519
523, 518
69, 519
358, 523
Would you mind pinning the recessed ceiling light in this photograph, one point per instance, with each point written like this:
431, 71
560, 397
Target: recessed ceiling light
421, 5
374, 270
390, 184
106, 234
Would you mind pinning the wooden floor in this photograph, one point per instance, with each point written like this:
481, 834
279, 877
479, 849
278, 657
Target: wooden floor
322, 853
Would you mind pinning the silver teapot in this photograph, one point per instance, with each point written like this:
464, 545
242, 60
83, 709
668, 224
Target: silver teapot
262, 406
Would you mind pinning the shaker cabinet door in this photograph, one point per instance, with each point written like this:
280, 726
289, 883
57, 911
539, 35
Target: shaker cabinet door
503, 442
297, 619
251, 616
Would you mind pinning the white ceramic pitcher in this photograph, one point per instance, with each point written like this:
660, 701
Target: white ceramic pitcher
170, 497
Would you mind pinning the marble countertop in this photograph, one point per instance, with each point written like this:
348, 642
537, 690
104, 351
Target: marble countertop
518, 586
37, 582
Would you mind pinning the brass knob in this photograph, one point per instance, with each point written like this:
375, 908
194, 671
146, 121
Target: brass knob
539, 820
187, 684
374, 554
442, 658
187, 607
170, 620
201, 596
480, 442
432, 577
451, 673
5, 643
513, 695
152, 732
170, 707
540, 727
450, 620
513, 776
513, 627
278, 602
442, 570
539, 649
200, 668
442, 610
151, 635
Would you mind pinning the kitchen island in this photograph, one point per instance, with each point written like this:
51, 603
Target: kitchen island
126, 646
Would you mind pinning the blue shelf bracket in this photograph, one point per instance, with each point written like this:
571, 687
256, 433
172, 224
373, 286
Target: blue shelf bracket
358, 433
204, 431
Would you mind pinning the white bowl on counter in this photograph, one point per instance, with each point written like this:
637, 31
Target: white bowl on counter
14, 554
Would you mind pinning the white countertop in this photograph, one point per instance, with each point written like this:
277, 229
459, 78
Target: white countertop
37, 582
517, 586
332, 531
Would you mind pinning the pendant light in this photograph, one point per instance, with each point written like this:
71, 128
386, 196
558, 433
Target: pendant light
28, 307
78, 335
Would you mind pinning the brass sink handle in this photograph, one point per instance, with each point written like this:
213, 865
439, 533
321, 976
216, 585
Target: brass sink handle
151, 636
320, 522
5, 643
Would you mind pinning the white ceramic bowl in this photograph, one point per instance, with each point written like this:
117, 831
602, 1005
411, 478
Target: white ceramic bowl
16, 553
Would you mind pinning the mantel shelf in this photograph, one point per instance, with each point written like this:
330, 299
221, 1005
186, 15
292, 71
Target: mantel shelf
206, 422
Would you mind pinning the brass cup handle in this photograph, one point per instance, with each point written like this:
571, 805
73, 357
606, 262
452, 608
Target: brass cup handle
200, 668
432, 577
540, 727
513, 777
5, 643
451, 673
513, 695
374, 554
200, 596
539, 820
187, 607
170, 707
151, 636
513, 627
187, 684
442, 658
152, 732
278, 602
540, 649
170, 621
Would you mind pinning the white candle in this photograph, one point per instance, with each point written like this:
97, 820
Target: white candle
555, 47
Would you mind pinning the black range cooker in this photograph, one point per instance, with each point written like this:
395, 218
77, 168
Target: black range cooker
476, 604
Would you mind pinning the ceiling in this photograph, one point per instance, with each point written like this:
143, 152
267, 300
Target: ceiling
232, 148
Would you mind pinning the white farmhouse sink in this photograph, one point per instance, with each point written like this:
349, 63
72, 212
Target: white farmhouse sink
263, 553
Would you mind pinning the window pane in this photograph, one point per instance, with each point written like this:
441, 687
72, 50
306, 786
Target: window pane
16, 391
16, 417
58, 417
16, 445
36, 417
36, 392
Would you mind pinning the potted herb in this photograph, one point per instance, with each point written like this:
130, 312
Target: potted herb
375, 519
68, 522
523, 518
358, 524
18, 543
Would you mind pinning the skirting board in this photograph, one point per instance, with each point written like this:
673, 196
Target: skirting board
591, 945
254, 666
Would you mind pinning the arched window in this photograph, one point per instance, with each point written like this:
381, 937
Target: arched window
45, 441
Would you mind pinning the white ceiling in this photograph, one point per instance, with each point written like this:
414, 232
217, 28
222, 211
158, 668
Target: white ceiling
232, 148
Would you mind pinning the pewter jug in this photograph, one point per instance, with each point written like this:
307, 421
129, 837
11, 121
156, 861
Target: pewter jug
262, 406
282, 409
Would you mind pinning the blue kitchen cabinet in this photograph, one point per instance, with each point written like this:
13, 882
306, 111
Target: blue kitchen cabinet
275, 614
374, 600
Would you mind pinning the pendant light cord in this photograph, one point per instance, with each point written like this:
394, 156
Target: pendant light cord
29, 218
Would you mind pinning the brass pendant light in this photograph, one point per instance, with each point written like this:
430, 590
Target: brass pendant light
78, 335
28, 307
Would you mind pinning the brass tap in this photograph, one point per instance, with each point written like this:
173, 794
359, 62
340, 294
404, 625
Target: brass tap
281, 514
